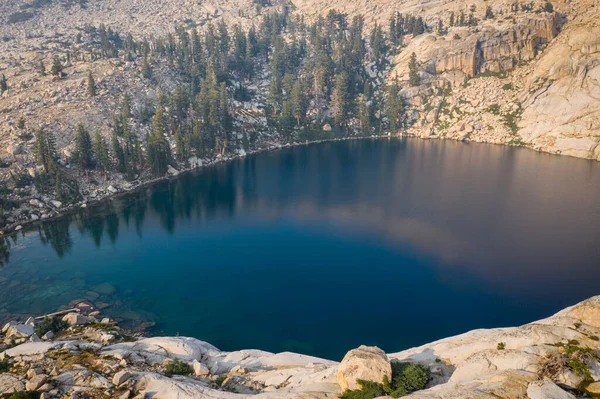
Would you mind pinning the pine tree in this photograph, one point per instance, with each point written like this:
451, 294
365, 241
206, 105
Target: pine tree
275, 95
393, 106
364, 115
548, 7
489, 14
126, 107
42, 68
181, 145
339, 99
57, 66
298, 99
118, 154
440, 27
45, 150
91, 85
413, 72
159, 151
101, 152
21, 123
82, 156
451, 23
3, 84
58, 189
146, 68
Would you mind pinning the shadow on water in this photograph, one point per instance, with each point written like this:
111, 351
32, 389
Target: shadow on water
322, 248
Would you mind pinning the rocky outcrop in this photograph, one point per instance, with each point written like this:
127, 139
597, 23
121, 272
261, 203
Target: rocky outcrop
493, 49
367, 363
534, 361
562, 103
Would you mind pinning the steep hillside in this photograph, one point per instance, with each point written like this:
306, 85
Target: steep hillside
503, 72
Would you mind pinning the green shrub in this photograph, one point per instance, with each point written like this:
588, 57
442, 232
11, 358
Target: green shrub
178, 368
23, 395
508, 86
406, 378
501, 346
4, 365
19, 16
220, 380
54, 324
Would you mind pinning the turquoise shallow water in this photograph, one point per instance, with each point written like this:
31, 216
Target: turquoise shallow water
321, 248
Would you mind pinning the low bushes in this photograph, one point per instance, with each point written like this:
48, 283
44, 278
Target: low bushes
54, 324
178, 368
406, 378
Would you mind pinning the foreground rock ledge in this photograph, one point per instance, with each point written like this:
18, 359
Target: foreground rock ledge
552, 358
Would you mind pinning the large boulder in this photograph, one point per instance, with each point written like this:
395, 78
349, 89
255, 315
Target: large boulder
76, 319
364, 363
546, 390
10, 384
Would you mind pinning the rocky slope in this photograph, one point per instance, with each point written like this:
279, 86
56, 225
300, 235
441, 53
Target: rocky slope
554, 358
523, 77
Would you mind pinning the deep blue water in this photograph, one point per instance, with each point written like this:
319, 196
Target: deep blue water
321, 248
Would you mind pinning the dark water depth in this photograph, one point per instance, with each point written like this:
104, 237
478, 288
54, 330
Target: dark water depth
319, 249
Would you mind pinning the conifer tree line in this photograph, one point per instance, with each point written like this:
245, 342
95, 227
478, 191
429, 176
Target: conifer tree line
316, 77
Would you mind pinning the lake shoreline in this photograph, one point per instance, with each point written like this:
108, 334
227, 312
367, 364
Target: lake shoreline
94, 202
90, 353
15, 227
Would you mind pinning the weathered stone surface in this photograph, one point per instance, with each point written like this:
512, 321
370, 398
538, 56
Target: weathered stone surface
367, 363
594, 388
37, 381
121, 377
76, 319
10, 383
200, 369
546, 390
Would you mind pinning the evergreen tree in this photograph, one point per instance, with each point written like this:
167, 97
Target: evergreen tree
3, 84
82, 156
298, 102
413, 72
21, 123
101, 152
58, 189
159, 151
118, 154
451, 23
45, 150
91, 85
440, 27
146, 68
57, 67
393, 106
548, 7
339, 99
489, 14
42, 68
364, 115
181, 145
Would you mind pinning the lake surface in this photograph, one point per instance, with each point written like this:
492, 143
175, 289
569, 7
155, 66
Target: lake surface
321, 248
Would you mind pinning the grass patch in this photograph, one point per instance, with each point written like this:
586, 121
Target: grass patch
406, 378
102, 326
177, 367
